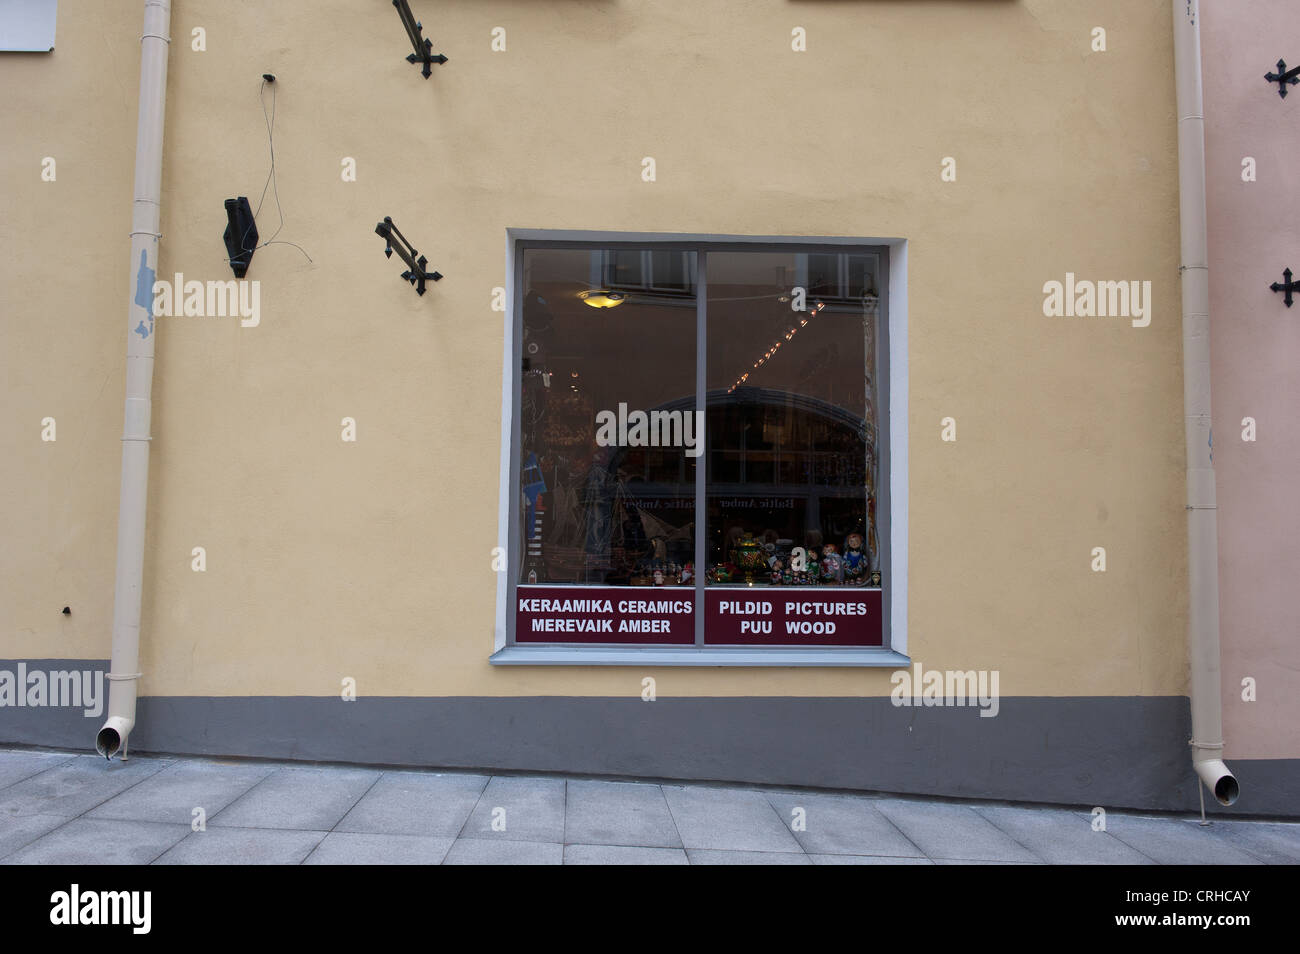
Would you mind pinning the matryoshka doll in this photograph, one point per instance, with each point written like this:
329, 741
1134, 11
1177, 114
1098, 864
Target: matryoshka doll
832, 565
855, 561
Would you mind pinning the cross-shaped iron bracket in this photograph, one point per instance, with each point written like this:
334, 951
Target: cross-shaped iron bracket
1283, 77
415, 267
423, 47
1287, 286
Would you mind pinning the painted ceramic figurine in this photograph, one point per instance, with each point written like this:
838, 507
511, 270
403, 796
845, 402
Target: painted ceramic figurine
687, 575
855, 561
832, 565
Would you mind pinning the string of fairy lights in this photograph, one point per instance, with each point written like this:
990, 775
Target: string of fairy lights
771, 352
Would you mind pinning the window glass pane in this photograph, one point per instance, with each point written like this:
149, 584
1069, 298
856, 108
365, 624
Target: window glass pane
609, 435
623, 269
792, 430
823, 274
671, 270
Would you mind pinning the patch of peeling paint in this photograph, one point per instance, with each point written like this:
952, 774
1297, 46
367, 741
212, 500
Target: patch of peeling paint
144, 279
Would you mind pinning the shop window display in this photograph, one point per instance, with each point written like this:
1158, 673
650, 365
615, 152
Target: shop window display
619, 437
612, 506
791, 424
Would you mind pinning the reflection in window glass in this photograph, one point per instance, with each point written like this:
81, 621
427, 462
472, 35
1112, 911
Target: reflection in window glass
792, 433
609, 434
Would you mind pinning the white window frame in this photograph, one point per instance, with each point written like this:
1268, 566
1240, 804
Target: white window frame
893, 653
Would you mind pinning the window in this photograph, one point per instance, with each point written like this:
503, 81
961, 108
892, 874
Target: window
699, 454
27, 25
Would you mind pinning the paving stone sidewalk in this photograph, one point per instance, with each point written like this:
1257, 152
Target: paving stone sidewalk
69, 808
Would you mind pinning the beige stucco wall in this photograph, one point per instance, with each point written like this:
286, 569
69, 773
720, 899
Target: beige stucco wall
372, 560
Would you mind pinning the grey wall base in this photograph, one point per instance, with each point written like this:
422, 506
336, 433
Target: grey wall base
1114, 752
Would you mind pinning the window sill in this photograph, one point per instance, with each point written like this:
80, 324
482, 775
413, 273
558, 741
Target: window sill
686, 656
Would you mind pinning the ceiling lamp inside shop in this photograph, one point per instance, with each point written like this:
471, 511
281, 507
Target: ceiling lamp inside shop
602, 298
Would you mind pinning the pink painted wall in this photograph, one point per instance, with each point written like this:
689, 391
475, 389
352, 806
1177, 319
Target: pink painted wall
1254, 233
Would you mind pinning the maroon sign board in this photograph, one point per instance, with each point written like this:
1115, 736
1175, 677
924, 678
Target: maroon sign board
733, 616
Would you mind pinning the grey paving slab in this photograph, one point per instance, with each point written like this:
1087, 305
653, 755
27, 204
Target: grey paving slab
950, 830
84, 841
76, 786
353, 848
172, 794
1176, 841
622, 855
303, 798
727, 819
480, 851
17, 764
710, 856
1061, 836
243, 846
17, 831
867, 860
619, 813
1273, 843
416, 803
842, 825
533, 810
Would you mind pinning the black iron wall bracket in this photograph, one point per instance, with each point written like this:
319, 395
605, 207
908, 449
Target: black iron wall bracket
423, 47
1286, 286
415, 266
1283, 77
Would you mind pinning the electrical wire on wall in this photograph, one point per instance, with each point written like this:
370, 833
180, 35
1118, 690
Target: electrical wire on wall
268, 79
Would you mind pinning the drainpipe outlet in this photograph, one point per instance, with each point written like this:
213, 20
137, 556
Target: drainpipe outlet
1219, 780
113, 735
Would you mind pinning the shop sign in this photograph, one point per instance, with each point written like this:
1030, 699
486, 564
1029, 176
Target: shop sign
665, 615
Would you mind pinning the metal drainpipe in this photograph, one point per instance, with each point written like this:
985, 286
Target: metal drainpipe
1202, 533
124, 672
